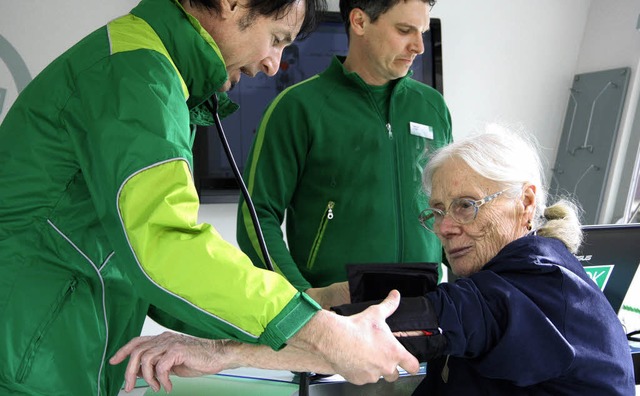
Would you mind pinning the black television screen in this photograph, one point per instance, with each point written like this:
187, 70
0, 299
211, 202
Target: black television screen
213, 175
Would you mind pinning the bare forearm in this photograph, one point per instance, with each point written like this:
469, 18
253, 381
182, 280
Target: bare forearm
312, 337
289, 358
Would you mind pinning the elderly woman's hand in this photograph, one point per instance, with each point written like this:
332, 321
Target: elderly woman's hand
154, 358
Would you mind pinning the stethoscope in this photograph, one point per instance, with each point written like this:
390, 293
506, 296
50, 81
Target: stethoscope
213, 108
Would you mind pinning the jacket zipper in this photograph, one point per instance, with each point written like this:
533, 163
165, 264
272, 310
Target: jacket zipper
27, 360
394, 165
326, 216
396, 184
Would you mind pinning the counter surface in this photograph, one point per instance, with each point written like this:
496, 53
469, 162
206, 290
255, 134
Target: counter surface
248, 381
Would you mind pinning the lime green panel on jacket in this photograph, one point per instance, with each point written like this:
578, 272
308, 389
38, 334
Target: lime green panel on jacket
130, 33
158, 207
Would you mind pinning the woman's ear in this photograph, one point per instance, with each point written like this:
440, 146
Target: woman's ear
529, 202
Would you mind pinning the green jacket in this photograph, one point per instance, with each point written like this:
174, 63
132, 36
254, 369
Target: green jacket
348, 181
98, 211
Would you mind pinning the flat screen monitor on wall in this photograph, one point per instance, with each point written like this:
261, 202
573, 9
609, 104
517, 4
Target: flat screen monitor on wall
213, 175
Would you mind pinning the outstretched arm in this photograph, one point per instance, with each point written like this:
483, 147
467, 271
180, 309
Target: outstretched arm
154, 358
361, 348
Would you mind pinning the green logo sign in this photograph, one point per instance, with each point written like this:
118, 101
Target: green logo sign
599, 274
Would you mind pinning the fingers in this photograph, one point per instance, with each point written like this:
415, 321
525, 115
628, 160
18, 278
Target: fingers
392, 377
123, 352
133, 367
140, 356
404, 359
148, 369
163, 370
342, 293
145, 364
390, 304
132, 371
155, 358
409, 362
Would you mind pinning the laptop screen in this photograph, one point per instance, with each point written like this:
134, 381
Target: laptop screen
611, 255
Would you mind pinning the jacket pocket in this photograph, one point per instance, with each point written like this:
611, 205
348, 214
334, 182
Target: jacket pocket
25, 365
326, 217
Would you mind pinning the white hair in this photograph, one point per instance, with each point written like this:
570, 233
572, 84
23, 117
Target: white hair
511, 159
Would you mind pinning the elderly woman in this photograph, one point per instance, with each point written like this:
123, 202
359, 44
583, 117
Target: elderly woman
523, 318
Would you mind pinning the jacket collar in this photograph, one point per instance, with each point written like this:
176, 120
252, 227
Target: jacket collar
532, 253
193, 51
337, 67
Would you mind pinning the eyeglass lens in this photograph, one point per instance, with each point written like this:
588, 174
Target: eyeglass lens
461, 210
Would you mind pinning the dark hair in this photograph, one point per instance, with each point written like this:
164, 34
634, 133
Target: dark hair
277, 9
373, 8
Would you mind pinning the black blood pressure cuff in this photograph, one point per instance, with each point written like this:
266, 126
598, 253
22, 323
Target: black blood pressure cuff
369, 284
413, 314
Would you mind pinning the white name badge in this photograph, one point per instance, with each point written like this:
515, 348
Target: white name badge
425, 131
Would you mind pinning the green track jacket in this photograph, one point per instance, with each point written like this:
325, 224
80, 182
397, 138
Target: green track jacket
98, 211
348, 180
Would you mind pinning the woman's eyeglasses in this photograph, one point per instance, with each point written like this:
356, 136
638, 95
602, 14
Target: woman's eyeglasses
462, 210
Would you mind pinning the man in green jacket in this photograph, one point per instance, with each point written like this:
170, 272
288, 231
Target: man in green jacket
99, 211
342, 152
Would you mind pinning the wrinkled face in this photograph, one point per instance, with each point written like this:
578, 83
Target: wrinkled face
469, 247
251, 44
394, 40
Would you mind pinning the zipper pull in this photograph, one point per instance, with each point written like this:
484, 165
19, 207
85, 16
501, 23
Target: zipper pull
330, 210
445, 371
389, 130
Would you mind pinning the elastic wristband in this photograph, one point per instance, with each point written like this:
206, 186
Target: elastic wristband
289, 321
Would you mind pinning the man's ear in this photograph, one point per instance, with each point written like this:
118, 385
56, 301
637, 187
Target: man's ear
228, 7
358, 19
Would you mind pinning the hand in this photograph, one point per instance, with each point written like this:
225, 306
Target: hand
361, 347
332, 295
155, 357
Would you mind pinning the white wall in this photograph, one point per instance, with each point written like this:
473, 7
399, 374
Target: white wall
506, 60
511, 61
42, 30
